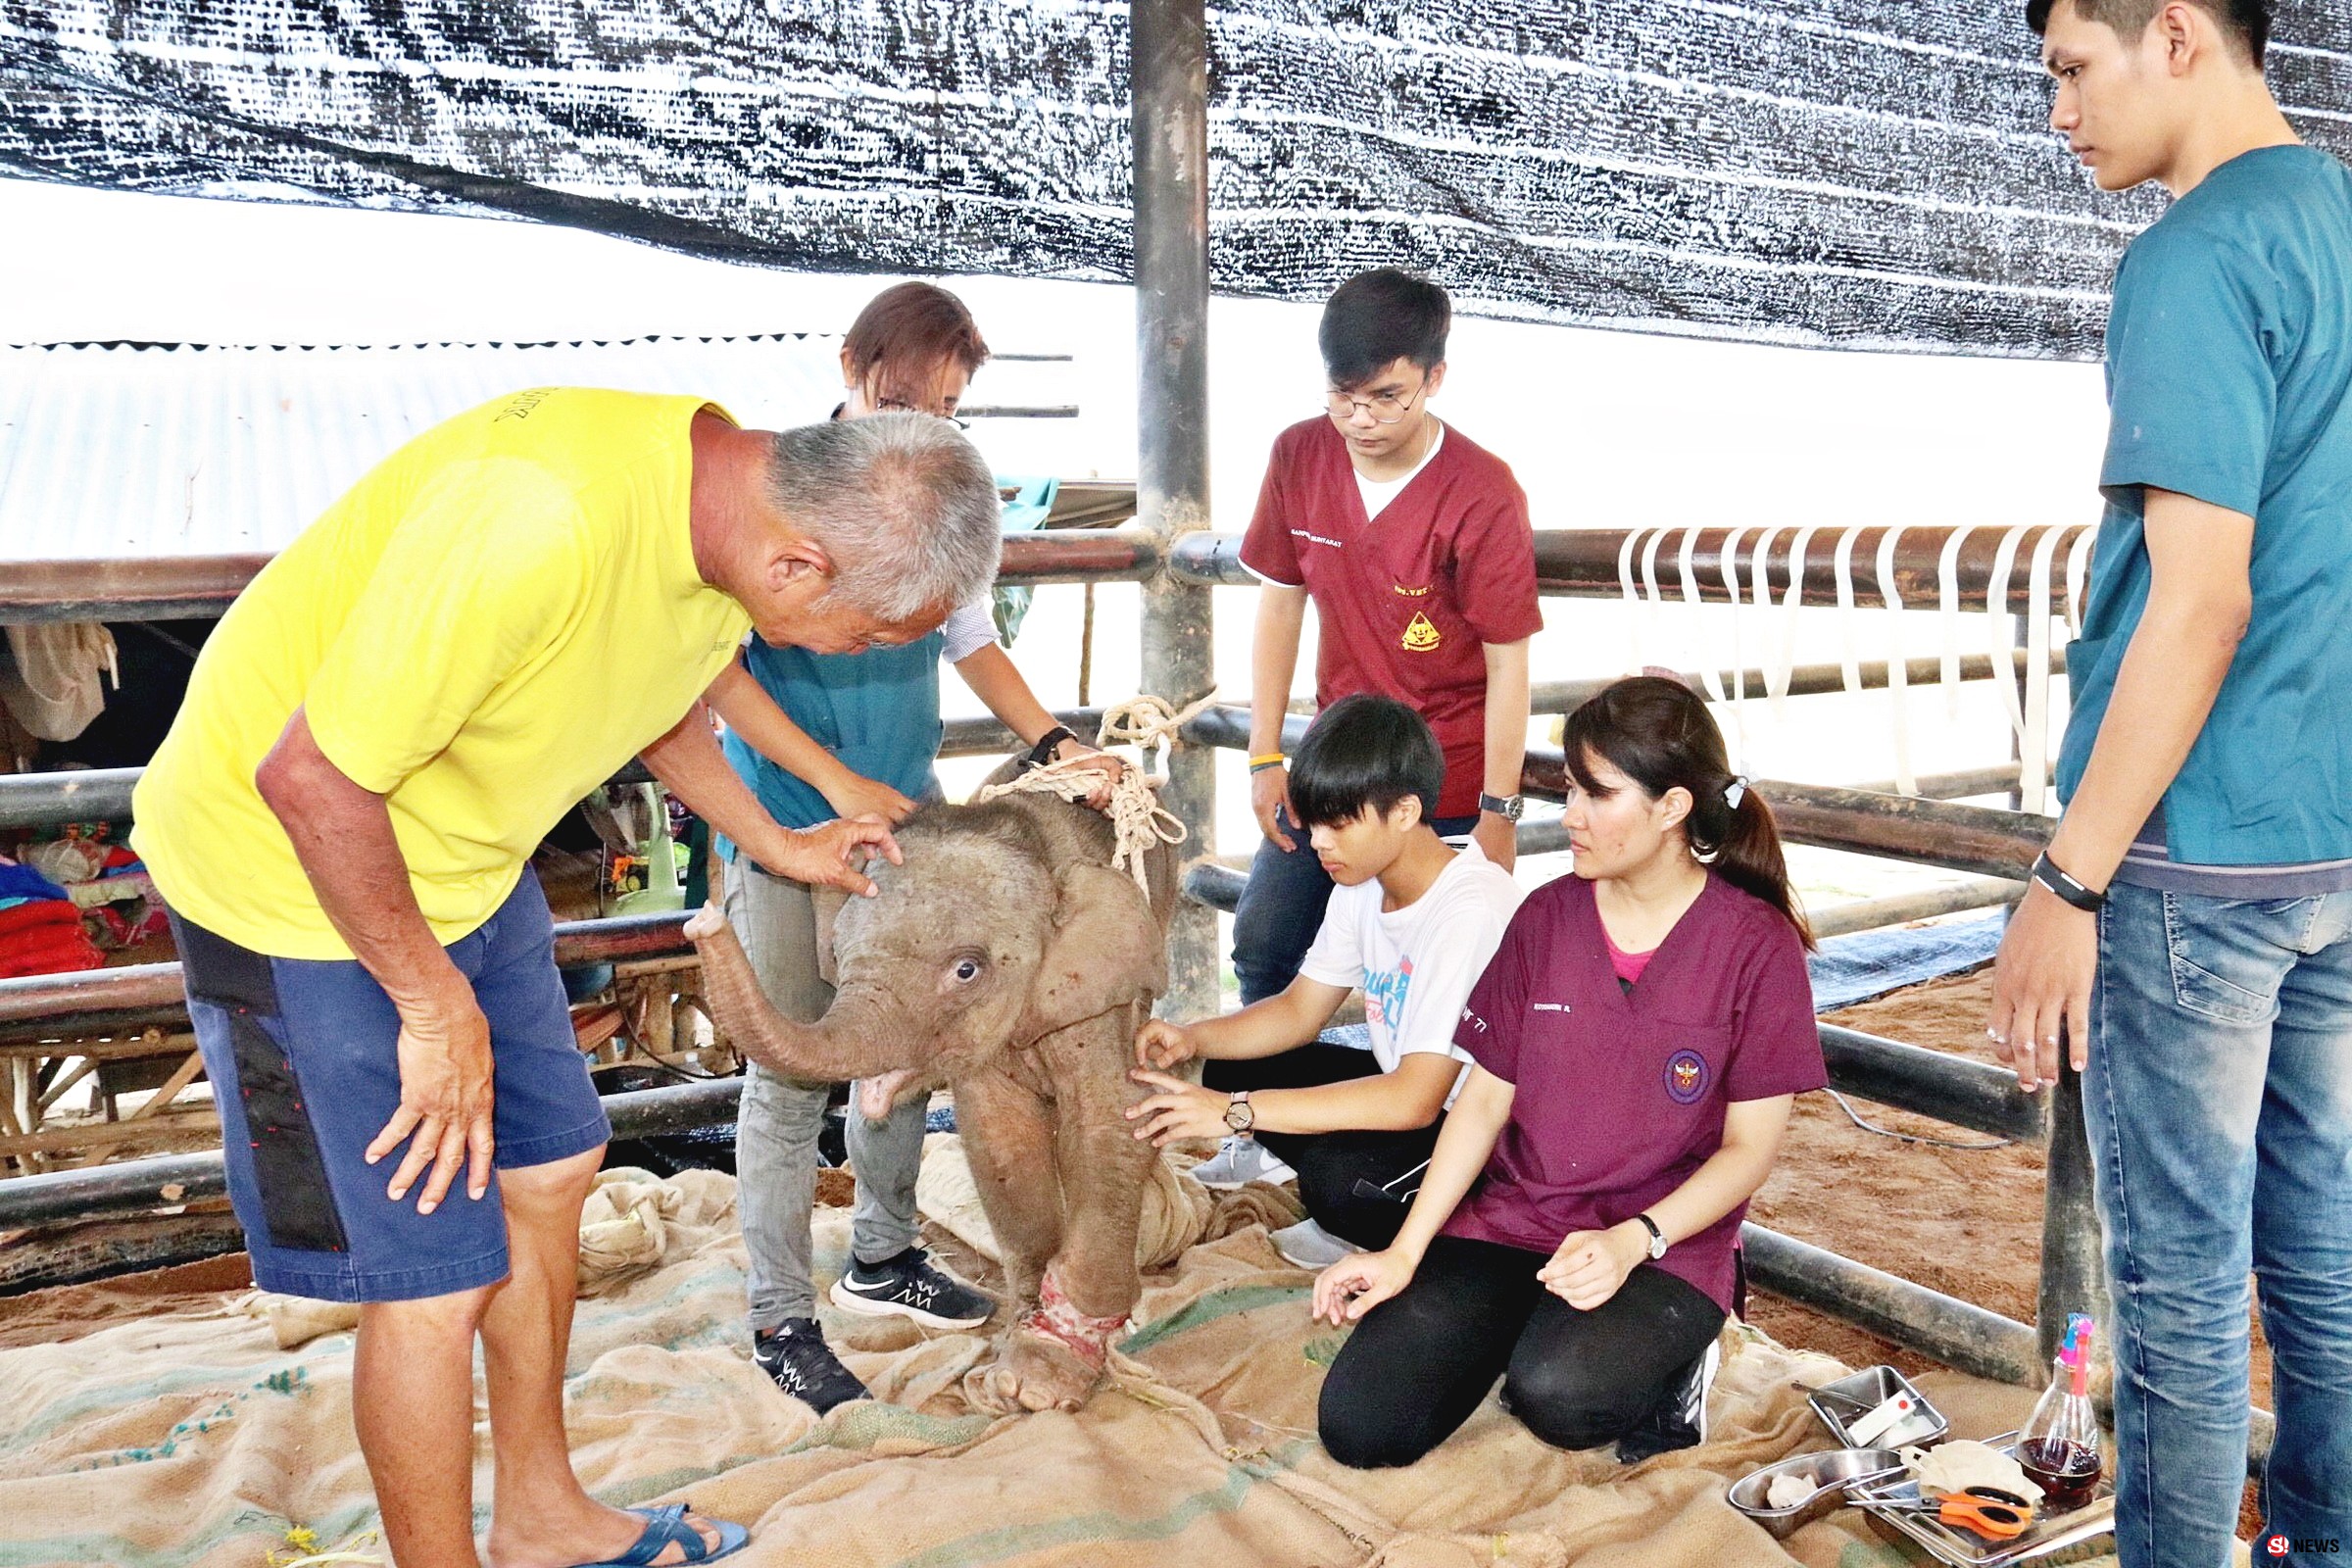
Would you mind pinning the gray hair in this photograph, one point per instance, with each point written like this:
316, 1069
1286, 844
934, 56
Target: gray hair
903, 504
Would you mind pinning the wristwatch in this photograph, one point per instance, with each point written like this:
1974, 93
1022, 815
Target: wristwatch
1506, 807
1048, 743
1657, 1236
1238, 1115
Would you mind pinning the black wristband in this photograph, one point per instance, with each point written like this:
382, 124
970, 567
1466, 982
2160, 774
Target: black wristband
1042, 752
2045, 871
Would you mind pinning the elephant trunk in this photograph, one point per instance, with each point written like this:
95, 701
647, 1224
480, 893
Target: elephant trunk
852, 1040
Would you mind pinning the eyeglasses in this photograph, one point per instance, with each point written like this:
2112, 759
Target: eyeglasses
1387, 409
901, 405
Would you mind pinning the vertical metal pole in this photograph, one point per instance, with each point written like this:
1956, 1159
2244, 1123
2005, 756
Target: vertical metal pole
2073, 1265
1168, 52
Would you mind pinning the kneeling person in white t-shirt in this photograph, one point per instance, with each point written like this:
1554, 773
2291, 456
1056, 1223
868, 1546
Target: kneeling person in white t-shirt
1413, 921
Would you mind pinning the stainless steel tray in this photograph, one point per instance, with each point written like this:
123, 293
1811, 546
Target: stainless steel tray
1965, 1548
1835, 1404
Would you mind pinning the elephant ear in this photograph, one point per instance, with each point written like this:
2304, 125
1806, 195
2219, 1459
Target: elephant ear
1105, 949
828, 902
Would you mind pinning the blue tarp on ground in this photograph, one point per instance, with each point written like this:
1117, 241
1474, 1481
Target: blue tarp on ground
1870, 963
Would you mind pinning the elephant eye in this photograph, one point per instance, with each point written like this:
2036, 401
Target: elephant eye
966, 969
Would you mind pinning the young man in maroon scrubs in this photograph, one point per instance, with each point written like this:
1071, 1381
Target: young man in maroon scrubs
1639, 1040
1414, 546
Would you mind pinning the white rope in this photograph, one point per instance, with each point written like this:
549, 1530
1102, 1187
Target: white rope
1707, 676
1138, 821
1947, 596
2078, 571
1898, 673
1844, 566
1632, 599
1649, 576
2034, 755
1777, 677
1996, 605
1729, 561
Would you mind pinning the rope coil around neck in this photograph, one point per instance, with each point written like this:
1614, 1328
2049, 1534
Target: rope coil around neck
1137, 820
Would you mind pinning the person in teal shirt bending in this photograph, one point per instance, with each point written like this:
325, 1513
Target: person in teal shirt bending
2191, 928
820, 736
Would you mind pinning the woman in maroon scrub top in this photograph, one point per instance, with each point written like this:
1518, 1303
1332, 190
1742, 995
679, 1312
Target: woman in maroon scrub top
1638, 1039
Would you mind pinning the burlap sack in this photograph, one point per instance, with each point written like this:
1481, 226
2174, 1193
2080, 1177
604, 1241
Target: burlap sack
190, 1437
623, 1233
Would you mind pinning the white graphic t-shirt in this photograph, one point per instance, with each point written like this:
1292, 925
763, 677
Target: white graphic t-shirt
1416, 965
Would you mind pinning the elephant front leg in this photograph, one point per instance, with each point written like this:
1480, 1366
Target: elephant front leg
1054, 1356
1008, 1139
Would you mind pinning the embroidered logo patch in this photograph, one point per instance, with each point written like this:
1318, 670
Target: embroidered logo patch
1686, 1077
1410, 593
1420, 636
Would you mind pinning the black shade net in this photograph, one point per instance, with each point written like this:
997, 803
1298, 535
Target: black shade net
1872, 174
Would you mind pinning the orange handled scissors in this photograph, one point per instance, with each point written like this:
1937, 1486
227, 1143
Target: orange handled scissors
1990, 1512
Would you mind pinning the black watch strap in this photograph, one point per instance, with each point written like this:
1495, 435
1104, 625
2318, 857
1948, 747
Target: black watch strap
1042, 752
2045, 871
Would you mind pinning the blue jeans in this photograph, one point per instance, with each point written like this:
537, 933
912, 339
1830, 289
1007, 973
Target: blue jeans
1282, 908
2218, 1103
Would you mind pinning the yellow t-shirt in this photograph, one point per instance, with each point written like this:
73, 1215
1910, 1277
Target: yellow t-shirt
482, 630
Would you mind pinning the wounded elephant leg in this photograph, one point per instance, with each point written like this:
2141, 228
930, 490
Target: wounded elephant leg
1055, 1355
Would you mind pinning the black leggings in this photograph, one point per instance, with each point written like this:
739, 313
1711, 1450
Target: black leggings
1356, 1184
1420, 1362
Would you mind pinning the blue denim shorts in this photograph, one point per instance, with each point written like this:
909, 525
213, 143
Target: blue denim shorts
303, 1059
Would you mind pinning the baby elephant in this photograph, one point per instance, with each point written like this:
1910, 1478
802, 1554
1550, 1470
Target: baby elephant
1009, 961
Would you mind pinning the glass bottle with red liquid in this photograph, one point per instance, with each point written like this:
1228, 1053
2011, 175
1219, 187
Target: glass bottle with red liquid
2059, 1443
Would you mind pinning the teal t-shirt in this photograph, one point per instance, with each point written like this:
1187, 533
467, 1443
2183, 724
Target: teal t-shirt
877, 711
2230, 379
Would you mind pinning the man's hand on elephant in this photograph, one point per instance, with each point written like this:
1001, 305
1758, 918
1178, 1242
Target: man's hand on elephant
830, 853
855, 795
1269, 793
1354, 1285
1178, 1110
1163, 1044
445, 1097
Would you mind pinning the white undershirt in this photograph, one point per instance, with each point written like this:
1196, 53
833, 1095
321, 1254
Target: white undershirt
970, 629
1378, 493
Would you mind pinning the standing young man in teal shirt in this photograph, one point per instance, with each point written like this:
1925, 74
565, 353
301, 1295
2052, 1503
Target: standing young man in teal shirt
2191, 925
825, 736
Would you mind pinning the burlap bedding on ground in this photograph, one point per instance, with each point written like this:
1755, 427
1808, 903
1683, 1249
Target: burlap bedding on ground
194, 1438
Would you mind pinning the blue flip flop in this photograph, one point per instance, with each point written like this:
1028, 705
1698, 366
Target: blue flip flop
667, 1525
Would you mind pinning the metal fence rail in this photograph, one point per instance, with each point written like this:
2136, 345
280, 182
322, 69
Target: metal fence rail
1570, 562
1177, 563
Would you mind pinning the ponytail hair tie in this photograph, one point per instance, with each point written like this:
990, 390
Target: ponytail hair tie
1735, 791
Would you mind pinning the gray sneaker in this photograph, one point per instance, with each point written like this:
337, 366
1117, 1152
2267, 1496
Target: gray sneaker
910, 1285
1309, 1246
1238, 1162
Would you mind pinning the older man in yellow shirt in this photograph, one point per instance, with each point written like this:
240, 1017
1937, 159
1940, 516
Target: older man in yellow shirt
378, 733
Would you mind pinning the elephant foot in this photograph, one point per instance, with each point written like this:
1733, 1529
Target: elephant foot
1050, 1360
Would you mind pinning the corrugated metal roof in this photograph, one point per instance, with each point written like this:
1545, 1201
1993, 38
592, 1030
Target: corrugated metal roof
109, 451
